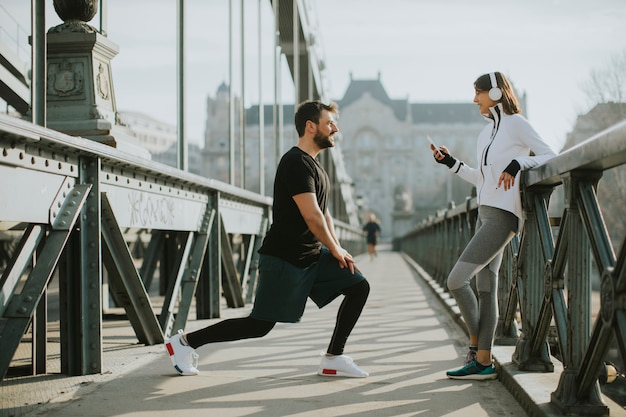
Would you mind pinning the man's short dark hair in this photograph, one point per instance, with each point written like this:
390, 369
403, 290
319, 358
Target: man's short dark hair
311, 110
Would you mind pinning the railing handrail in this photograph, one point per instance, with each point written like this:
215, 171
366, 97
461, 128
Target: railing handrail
603, 150
24, 129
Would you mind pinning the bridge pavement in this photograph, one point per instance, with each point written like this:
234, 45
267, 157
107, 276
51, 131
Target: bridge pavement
406, 339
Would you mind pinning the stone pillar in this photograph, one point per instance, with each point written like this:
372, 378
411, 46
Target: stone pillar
80, 94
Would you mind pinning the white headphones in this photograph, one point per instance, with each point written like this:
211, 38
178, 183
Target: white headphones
494, 93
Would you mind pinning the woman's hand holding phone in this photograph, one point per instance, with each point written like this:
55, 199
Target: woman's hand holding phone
434, 146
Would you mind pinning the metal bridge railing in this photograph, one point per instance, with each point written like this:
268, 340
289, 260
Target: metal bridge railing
546, 282
107, 223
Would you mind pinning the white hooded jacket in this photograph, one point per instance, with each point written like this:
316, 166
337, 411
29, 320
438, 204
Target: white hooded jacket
507, 137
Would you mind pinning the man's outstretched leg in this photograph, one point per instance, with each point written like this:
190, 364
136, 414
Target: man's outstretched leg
181, 347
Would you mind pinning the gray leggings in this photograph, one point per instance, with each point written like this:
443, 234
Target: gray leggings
482, 257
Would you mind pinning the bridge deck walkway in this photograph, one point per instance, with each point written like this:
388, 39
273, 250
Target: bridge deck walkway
406, 339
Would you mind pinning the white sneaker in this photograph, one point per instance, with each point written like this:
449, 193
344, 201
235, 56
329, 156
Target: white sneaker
340, 365
183, 357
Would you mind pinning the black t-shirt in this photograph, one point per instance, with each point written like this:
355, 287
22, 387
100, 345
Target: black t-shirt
371, 228
289, 237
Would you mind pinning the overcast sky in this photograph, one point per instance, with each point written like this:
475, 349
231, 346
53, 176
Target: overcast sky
434, 50
424, 50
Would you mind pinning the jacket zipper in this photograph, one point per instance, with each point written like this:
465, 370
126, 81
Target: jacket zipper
494, 131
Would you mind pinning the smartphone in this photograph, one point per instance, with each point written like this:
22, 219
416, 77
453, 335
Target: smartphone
434, 144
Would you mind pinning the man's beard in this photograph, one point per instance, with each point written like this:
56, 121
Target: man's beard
323, 141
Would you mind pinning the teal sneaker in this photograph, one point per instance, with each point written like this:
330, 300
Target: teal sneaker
472, 371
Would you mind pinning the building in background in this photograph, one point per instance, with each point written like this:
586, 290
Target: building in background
216, 149
387, 153
382, 144
153, 135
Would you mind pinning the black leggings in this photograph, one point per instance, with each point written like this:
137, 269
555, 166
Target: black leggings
248, 328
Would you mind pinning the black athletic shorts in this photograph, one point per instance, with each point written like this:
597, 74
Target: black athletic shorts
283, 288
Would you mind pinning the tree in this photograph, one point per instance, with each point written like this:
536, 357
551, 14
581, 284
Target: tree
608, 84
606, 91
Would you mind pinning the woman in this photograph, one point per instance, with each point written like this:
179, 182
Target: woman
507, 145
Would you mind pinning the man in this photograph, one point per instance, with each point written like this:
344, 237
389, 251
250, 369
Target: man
300, 257
372, 230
